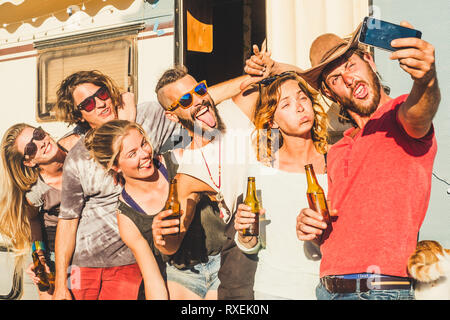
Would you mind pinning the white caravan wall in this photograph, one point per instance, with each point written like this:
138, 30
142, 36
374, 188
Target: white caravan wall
292, 25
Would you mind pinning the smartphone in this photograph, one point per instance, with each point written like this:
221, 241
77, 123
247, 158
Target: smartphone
379, 33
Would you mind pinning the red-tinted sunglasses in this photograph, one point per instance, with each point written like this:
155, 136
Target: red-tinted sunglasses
88, 104
31, 147
186, 100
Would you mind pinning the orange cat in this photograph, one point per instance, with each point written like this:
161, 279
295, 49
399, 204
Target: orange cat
430, 266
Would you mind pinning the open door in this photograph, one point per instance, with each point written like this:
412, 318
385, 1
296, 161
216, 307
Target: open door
214, 37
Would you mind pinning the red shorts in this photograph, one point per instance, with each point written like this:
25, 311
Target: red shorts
113, 283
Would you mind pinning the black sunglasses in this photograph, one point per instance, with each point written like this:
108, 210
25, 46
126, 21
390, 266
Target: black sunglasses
88, 104
269, 80
31, 147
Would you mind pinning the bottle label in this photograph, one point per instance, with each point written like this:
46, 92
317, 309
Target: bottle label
37, 245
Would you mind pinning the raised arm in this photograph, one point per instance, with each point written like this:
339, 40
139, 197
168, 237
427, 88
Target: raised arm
225, 90
260, 65
417, 58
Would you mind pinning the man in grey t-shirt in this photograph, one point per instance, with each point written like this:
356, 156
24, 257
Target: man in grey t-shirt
87, 237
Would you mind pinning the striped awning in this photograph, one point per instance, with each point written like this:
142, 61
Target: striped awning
14, 13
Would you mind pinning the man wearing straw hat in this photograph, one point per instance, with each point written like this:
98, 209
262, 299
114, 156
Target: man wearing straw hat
379, 173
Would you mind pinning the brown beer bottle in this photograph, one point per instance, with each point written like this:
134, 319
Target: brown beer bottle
39, 269
316, 197
173, 203
51, 281
251, 200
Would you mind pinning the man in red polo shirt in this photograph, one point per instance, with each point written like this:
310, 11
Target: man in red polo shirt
380, 172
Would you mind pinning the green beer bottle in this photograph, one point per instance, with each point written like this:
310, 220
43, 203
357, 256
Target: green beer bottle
251, 200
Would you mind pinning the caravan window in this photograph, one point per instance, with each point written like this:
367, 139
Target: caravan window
114, 57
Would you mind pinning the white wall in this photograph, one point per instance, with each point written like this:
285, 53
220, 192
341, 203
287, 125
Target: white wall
18, 89
154, 57
430, 17
292, 25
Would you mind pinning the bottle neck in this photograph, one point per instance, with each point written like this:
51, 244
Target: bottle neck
310, 175
251, 189
173, 193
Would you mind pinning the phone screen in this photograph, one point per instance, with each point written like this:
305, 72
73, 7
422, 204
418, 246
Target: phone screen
379, 33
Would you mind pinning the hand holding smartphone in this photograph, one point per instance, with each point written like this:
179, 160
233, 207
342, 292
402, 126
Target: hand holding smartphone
379, 33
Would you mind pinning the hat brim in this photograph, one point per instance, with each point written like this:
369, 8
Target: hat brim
312, 75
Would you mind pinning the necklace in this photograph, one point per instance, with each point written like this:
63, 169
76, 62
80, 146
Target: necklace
224, 212
209, 171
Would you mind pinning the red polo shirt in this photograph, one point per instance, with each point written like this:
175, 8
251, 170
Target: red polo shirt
380, 182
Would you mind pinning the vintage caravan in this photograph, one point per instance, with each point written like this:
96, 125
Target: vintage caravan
42, 42
134, 41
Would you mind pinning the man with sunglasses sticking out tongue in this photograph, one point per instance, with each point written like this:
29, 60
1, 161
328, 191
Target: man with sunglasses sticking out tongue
379, 173
214, 162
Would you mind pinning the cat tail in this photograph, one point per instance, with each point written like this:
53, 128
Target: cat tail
424, 271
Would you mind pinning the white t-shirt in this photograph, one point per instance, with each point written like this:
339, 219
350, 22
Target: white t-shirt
287, 267
232, 150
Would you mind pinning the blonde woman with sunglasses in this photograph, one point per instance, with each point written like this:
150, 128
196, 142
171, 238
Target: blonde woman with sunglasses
31, 177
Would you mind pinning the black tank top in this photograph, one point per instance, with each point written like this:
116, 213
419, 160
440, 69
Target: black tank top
206, 233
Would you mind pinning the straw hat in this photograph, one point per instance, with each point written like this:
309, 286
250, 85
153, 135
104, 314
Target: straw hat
325, 49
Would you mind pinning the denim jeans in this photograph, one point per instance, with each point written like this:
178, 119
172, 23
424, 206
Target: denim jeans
392, 294
199, 279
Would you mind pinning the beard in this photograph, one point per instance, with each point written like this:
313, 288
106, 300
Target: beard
208, 133
364, 109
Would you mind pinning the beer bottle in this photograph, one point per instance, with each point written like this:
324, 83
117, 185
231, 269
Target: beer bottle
51, 281
251, 200
39, 270
316, 197
172, 203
